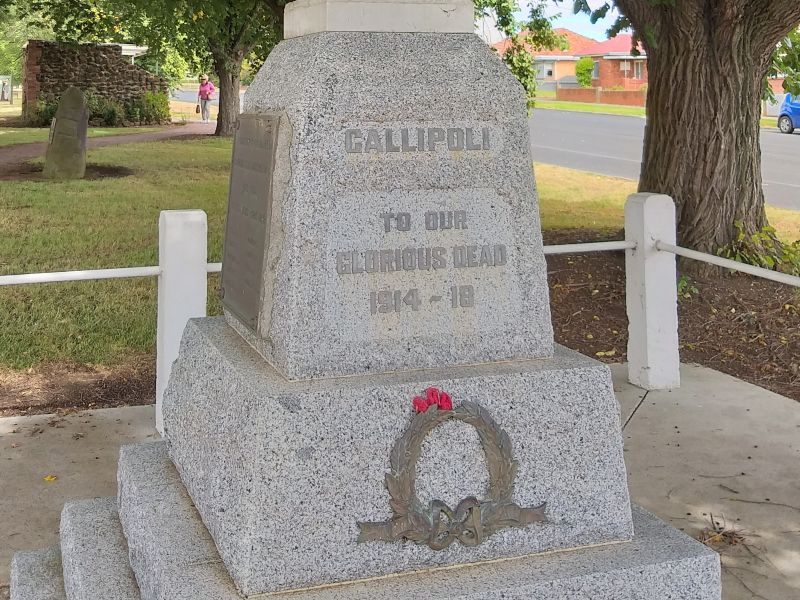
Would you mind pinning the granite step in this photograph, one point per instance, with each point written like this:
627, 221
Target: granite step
94, 553
175, 558
37, 575
170, 550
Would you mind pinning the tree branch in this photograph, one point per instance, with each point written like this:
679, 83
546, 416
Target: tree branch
276, 9
772, 21
640, 12
247, 19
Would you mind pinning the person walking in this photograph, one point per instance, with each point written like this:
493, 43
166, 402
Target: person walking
204, 97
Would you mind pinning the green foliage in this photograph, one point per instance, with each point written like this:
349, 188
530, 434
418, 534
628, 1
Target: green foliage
763, 249
250, 67
534, 32
520, 61
583, 71
166, 62
686, 288
152, 108
16, 27
78, 20
786, 63
43, 114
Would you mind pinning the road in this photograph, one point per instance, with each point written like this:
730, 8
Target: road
612, 145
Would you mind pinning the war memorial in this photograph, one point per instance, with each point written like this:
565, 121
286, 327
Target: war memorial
382, 411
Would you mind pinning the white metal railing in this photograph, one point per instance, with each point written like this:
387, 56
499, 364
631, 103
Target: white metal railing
729, 264
589, 247
90, 275
650, 273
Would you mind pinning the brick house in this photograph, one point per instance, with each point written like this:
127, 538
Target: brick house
614, 64
555, 66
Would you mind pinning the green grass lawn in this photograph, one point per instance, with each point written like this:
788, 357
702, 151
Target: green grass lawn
608, 109
47, 226
55, 226
23, 135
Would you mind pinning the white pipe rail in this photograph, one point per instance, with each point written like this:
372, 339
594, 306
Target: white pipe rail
87, 275
729, 264
589, 247
651, 293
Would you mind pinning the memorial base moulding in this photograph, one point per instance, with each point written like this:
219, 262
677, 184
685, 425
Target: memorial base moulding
317, 482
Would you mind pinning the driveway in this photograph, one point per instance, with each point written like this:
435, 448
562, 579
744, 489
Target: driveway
612, 145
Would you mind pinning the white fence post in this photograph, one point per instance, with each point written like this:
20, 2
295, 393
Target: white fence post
651, 293
182, 287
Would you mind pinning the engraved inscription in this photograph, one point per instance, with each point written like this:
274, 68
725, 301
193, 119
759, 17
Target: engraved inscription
416, 139
422, 263
425, 258
249, 213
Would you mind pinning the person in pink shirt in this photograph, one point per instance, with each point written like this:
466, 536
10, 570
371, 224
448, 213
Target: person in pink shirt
204, 97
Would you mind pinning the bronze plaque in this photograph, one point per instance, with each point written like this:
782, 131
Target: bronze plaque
249, 216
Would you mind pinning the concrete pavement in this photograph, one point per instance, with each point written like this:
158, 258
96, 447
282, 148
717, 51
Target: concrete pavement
717, 446
612, 145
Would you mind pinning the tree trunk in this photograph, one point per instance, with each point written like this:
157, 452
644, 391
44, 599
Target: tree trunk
701, 142
707, 60
228, 67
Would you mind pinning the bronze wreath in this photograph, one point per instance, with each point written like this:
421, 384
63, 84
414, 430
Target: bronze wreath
473, 520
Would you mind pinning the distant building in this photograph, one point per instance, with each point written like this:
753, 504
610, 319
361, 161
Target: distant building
555, 66
615, 65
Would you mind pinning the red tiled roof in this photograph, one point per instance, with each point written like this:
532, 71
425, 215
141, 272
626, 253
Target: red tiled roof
620, 44
575, 44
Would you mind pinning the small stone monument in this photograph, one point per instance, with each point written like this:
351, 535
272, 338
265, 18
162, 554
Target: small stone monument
66, 146
383, 396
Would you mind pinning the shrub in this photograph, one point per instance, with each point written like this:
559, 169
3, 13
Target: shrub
763, 249
152, 108
113, 113
583, 71
43, 114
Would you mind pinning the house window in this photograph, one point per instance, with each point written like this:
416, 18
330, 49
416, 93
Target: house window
596, 70
638, 69
544, 70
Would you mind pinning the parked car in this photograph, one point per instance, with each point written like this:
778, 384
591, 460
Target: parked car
789, 117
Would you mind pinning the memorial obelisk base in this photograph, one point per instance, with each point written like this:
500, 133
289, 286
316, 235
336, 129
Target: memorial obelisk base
382, 411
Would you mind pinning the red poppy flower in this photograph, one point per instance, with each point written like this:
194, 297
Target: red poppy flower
433, 397
419, 405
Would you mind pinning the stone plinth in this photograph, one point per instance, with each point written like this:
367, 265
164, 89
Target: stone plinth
304, 17
282, 472
403, 226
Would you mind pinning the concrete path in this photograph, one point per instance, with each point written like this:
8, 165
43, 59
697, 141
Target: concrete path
612, 145
718, 446
19, 153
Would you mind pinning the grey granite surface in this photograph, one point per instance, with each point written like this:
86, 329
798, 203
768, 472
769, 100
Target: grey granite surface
282, 472
36, 575
316, 322
171, 552
94, 552
661, 563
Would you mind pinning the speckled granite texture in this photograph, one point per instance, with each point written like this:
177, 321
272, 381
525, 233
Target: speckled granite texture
171, 552
281, 472
315, 322
660, 563
36, 575
94, 552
